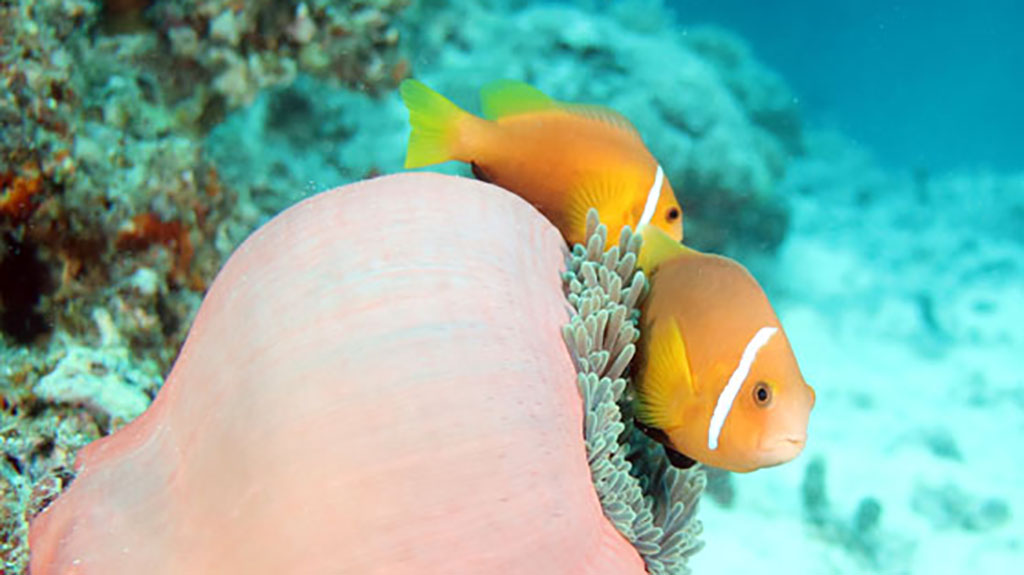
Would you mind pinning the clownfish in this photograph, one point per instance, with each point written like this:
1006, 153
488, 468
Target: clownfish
717, 381
562, 158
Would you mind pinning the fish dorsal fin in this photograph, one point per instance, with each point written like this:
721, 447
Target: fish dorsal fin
658, 247
604, 192
665, 376
603, 115
502, 98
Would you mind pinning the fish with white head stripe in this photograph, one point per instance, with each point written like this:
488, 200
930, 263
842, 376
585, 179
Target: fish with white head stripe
717, 381
561, 157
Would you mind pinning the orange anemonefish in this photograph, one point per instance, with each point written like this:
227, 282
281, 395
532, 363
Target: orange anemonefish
562, 158
717, 381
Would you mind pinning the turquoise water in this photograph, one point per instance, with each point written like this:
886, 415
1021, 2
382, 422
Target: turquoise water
862, 159
933, 86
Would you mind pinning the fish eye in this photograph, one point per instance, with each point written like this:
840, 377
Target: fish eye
762, 394
673, 214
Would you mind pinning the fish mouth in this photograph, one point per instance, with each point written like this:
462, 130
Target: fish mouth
778, 450
782, 450
796, 441
785, 443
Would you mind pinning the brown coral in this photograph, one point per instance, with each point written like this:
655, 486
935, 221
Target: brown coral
147, 229
18, 191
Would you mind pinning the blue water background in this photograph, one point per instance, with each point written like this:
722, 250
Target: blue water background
927, 85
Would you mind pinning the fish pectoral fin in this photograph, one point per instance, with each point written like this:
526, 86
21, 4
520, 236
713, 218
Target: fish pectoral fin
605, 194
657, 247
503, 98
665, 376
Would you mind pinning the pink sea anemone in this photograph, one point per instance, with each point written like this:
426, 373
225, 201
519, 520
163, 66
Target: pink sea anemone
375, 383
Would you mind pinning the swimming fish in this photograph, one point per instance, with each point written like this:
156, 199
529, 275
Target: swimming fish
562, 158
717, 381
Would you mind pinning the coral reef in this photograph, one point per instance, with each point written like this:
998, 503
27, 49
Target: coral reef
228, 51
109, 207
38, 443
53, 402
651, 503
104, 379
102, 167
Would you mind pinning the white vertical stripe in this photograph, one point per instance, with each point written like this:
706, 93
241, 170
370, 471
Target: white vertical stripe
652, 198
732, 388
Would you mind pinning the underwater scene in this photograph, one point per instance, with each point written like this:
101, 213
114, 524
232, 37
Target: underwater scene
511, 286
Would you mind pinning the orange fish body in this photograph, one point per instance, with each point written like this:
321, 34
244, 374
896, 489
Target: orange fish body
717, 379
562, 158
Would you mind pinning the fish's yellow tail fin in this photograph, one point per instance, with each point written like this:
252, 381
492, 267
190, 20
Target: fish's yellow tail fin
434, 120
658, 247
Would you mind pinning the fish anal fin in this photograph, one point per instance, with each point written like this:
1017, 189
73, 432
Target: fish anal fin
665, 379
679, 460
480, 173
652, 432
658, 247
503, 98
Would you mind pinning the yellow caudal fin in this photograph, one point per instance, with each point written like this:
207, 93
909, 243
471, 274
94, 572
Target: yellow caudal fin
434, 121
658, 247
665, 377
